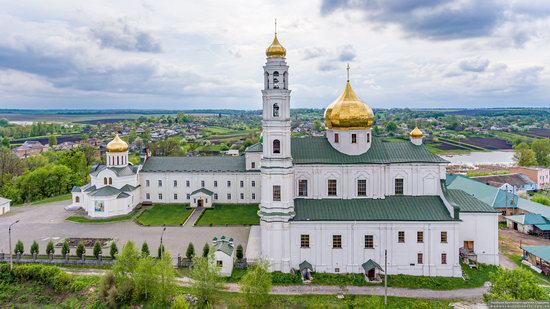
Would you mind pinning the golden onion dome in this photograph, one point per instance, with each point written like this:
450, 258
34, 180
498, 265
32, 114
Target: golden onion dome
416, 133
117, 145
275, 50
348, 112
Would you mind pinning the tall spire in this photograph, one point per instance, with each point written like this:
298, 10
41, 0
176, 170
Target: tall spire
347, 69
275, 26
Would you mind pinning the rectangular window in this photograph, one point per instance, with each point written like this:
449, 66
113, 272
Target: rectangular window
219, 263
242, 184
302, 187
187, 183
277, 193
228, 183
399, 186
188, 196
147, 183
253, 183
175, 196
368, 137
369, 241
304, 241
420, 236
443, 258
253, 164
401, 236
419, 258
332, 187
175, 183
242, 196
215, 196
215, 183
336, 138
228, 196
354, 138
337, 241
443, 236
253, 196
361, 187
202, 183
160, 183
147, 196
160, 196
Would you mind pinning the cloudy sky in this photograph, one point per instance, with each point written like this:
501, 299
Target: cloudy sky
209, 54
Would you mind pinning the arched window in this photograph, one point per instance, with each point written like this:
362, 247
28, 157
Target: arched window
77, 199
285, 80
117, 161
275, 80
105, 180
266, 80
275, 110
276, 146
110, 180
368, 137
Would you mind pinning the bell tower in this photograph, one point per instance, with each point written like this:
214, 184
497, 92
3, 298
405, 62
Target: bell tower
277, 203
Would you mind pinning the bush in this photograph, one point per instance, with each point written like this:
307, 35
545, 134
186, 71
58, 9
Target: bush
65, 250
256, 285
80, 250
205, 250
34, 247
283, 278
97, 249
515, 284
105, 285
145, 249
45, 274
190, 253
50, 248
19, 247
114, 250
240, 252
179, 302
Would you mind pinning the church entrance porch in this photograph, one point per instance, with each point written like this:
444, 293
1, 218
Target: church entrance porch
372, 270
200, 202
201, 198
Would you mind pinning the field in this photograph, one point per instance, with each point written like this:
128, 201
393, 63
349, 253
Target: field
490, 143
537, 133
230, 214
165, 214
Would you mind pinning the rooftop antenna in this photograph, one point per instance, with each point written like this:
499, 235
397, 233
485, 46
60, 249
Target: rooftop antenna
347, 68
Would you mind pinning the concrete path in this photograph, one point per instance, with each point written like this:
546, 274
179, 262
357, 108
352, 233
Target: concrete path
475, 293
192, 220
505, 262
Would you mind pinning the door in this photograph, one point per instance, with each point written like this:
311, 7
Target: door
200, 203
469, 244
371, 274
515, 226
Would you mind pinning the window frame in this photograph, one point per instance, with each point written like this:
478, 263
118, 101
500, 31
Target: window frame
353, 138
337, 241
443, 258
401, 237
399, 186
369, 241
276, 193
304, 241
332, 187
302, 187
420, 258
360, 184
443, 237
420, 237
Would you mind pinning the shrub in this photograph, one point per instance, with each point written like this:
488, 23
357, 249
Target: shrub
145, 249
515, 284
114, 250
190, 253
34, 247
65, 250
80, 250
19, 247
179, 302
256, 285
45, 274
50, 248
105, 285
283, 278
240, 252
205, 250
97, 249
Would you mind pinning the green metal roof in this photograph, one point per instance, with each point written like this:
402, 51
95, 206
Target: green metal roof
305, 265
202, 190
391, 208
119, 171
543, 227
106, 191
466, 202
195, 164
528, 219
495, 197
128, 188
254, 148
370, 264
76, 189
317, 150
224, 246
542, 252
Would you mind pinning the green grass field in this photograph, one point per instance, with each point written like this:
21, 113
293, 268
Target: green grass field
230, 214
80, 219
59, 198
165, 214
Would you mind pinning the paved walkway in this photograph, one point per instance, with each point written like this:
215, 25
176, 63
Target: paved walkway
193, 217
505, 262
474, 293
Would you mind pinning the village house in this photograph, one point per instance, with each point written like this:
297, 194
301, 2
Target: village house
30, 149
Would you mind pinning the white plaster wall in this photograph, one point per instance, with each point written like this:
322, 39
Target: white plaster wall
113, 206
482, 228
118, 182
4, 208
255, 157
345, 145
227, 263
168, 190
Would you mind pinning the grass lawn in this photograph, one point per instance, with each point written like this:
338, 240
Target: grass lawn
165, 214
59, 198
81, 219
230, 214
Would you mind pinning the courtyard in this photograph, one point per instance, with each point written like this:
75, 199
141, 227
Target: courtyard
47, 222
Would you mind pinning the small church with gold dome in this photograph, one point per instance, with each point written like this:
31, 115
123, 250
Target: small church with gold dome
336, 203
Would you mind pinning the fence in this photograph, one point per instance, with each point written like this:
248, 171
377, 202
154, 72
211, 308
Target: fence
54, 260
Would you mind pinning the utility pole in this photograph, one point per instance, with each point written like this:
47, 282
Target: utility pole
386, 277
9, 236
161, 245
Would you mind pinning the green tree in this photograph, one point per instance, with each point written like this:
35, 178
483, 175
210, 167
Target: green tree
190, 253
34, 247
50, 248
515, 284
256, 285
126, 261
317, 125
80, 250
240, 252
205, 250
114, 250
52, 140
6, 142
65, 250
160, 250
97, 249
145, 249
19, 247
206, 279
179, 302
391, 127
166, 275
541, 147
145, 277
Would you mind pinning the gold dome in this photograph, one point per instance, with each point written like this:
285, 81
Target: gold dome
117, 145
416, 133
348, 112
275, 50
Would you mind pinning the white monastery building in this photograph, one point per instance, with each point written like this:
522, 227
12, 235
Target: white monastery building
335, 203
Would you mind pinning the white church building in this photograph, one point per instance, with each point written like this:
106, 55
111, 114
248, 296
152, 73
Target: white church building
336, 203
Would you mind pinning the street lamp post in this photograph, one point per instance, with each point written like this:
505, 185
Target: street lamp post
161, 245
9, 236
